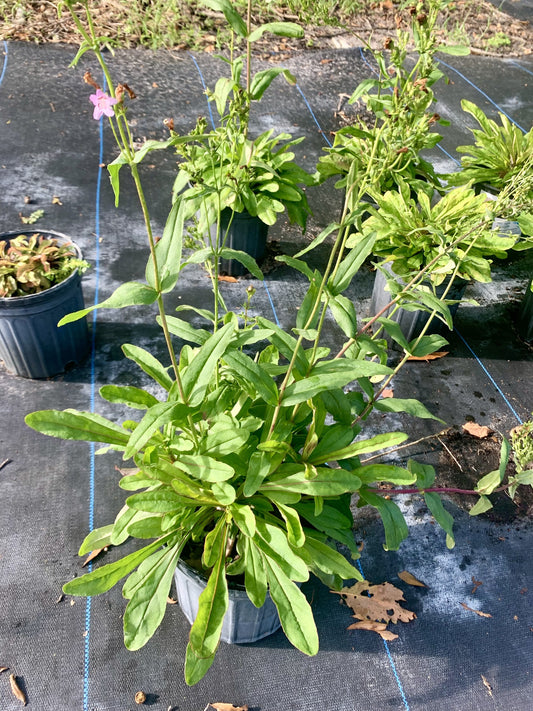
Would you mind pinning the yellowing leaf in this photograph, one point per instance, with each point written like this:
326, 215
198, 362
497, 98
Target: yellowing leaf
479, 431
410, 579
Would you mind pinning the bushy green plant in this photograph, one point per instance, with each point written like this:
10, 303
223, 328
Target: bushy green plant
31, 264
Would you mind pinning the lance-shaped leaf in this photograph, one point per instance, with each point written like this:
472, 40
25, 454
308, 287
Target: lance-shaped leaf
168, 251
244, 517
295, 532
233, 18
184, 330
199, 373
321, 556
295, 613
97, 538
330, 375
128, 395
327, 482
285, 344
258, 468
114, 170
263, 79
351, 264
205, 468
148, 589
408, 405
370, 473
252, 372
441, 516
207, 627
273, 543
254, 572
394, 524
244, 258
281, 29
131, 293
364, 446
156, 416
149, 364
102, 579
77, 425
344, 314
163, 500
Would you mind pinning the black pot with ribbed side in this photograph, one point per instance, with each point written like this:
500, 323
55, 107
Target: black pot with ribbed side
525, 319
243, 621
31, 343
244, 232
412, 322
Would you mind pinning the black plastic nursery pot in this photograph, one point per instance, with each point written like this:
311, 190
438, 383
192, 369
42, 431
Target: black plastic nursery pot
244, 232
412, 322
525, 322
243, 621
31, 343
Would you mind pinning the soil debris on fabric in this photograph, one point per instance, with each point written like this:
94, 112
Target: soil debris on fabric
477, 612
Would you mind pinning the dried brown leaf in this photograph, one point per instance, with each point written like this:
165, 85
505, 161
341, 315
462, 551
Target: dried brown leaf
379, 627
430, 356
487, 686
92, 555
171, 601
16, 690
4, 669
376, 603
56, 200
127, 471
387, 392
410, 579
477, 584
226, 707
479, 431
230, 279
478, 612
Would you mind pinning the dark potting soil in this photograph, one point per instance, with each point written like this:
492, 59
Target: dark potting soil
464, 459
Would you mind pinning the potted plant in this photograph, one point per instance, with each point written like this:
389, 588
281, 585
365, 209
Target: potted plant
40, 283
437, 248
247, 181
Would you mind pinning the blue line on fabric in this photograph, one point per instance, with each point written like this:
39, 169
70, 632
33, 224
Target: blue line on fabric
497, 106
321, 130
92, 398
205, 89
6, 52
516, 64
213, 124
483, 367
389, 655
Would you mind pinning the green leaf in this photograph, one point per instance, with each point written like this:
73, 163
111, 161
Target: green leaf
207, 627
205, 468
421, 347
164, 500
263, 79
408, 405
483, 504
364, 446
294, 611
258, 468
199, 374
252, 372
97, 538
77, 425
281, 29
396, 529
344, 314
168, 251
255, 579
128, 395
103, 578
351, 264
455, 50
213, 542
441, 516
148, 590
184, 330
149, 364
156, 416
131, 293
244, 517
370, 473
295, 533
488, 483
114, 170
237, 24
329, 560
273, 543
245, 259
326, 482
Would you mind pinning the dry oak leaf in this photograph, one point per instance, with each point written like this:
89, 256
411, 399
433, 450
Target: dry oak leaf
479, 431
226, 707
16, 690
478, 612
376, 603
410, 579
379, 627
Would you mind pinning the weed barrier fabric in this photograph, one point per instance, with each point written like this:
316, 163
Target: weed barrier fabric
70, 655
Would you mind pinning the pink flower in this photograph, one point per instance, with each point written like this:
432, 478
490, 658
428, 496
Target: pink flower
103, 104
